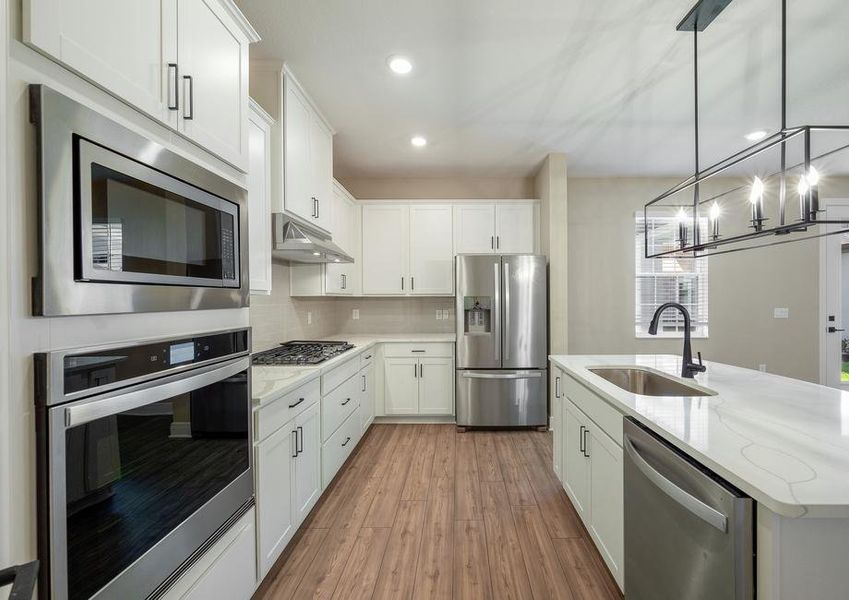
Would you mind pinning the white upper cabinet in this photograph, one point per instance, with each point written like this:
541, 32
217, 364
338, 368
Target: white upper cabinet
212, 54
183, 62
431, 249
385, 249
496, 228
259, 199
308, 157
407, 249
474, 231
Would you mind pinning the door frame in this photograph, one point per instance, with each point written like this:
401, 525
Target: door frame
822, 294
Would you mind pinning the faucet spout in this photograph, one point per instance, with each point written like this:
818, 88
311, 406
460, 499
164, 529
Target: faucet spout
688, 367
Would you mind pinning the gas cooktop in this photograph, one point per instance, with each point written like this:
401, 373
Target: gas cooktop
300, 353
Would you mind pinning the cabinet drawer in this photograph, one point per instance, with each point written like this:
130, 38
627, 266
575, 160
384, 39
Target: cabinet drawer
400, 350
338, 404
338, 375
367, 357
338, 447
605, 416
274, 415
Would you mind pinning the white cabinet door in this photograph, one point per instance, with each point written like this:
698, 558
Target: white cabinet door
385, 249
213, 57
431, 250
233, 575
307, 476
297, 197
367, 397
118, 44
274, 476
436, 386
321, 169
401, 390
606, 524
259, 200
575, 461
474, 228
339, 276
557, 421
515, 228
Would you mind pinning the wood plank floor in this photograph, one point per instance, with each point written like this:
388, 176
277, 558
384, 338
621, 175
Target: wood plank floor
421, 511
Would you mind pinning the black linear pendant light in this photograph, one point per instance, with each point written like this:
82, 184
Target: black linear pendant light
765, 195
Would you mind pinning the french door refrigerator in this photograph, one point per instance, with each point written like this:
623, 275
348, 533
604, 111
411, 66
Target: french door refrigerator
502, 334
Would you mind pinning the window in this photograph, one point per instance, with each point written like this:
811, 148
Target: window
668, 279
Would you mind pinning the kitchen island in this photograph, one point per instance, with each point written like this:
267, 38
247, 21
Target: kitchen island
783, 442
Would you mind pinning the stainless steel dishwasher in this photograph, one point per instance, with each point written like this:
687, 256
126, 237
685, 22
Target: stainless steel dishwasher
688, 533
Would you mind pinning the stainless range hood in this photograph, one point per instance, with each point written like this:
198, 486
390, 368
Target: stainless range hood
297, 241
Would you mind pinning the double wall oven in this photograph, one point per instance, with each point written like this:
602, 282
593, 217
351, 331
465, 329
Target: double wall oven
127, 225
143, 460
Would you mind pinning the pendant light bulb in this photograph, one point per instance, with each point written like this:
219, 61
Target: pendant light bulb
757, 193
813, 177
681, 216
715, 211
803, 186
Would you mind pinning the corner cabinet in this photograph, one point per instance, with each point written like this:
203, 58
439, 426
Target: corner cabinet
407, 249
590, 432
496, 228
260, 126
183, 62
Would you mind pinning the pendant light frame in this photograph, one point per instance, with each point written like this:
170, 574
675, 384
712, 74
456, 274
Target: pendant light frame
699, 17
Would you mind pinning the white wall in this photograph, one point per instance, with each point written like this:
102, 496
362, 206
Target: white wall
29, 334
5, 397
745, 287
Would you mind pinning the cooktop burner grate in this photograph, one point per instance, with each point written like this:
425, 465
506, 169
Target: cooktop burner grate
301, 353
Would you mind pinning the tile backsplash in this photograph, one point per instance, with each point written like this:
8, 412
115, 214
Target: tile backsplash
394, 315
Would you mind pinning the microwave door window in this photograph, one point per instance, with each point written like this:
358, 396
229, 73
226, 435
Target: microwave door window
140, 229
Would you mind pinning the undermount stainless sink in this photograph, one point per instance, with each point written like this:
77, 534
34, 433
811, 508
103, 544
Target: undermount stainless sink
647, 383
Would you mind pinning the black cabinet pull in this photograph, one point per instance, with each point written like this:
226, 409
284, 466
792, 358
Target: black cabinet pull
581, 440
421, 370
492, 242
402, 283
586, 450
347, 439
176, 82
412, 283
497, 242
301, 436
346, 401
295, 433
190, 96
418, 350
364, 382
368, 357
296, 403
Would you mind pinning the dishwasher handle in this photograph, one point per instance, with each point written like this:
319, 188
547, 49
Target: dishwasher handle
686, 500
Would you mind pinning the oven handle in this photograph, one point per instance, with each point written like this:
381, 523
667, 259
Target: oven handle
687, 501
151, 392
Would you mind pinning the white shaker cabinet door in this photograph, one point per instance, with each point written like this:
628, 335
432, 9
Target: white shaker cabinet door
213, 57
117, 44
575, 460
385, 249
274, 480
607, 526
401, 393
436, 386
321, 165
259, 201
431, 250
297, 198
515, 228
307, 486
367, 397
474, 228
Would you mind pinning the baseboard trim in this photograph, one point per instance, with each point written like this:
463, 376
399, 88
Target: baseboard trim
407, 420
181, 429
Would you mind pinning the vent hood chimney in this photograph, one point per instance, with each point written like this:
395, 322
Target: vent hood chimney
297, 241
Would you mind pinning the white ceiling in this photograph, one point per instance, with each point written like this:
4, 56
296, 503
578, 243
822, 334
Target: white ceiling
498, 84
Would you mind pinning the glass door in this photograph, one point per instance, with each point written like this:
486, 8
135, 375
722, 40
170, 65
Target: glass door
835, 291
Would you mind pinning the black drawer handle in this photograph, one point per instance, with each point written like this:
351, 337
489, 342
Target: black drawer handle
368, 357
347, 439
418, 350
346, 401
296, 403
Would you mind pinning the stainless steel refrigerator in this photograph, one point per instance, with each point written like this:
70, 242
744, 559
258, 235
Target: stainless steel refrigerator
502, 339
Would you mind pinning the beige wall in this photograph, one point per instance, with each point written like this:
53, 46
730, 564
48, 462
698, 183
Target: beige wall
394, 315
550, 186
439, 188
278, 317
745, 287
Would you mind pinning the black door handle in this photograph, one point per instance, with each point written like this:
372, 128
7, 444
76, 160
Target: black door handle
834, 330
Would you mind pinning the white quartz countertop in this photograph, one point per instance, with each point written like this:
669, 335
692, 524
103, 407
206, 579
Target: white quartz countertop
271, 382
782, 441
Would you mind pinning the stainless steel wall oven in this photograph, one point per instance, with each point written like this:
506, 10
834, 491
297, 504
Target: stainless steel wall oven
127, 225
143, 460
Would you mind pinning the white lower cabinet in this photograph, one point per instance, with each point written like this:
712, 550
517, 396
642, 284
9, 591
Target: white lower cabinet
418, 379
592, 477
556, 422
367, 396
227, 571
338, 447
288, 481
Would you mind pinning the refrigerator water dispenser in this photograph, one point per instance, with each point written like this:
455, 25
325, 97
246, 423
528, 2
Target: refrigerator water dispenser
477, 315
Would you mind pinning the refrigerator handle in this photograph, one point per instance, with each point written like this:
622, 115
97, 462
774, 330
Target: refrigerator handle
507, 310
497, 312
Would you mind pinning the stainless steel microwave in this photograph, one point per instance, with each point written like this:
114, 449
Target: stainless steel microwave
126, 225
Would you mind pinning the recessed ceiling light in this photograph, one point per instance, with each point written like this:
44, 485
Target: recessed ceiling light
400, 65
418, 141
756, 135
